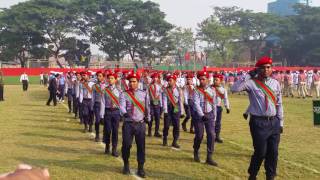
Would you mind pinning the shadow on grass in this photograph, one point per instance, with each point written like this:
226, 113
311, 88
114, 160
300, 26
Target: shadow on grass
60, 149
54, 128
82, 164
156, 174
63, 138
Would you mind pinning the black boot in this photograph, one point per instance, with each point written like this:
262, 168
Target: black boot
218, 139
165, 142
85, 128
184, 126
157, 134
210, 161
97, 139
126, 168
114, 152
149, 131
69, 105
90, 128
175, 144
252, 177
269, 177
141, 172
196, 156
107, 149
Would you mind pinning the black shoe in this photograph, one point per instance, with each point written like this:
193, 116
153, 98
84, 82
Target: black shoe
196, 156
184, 127
269, 177
175, 145
149, 133
48, 104
191, 131
251, 177
114, 152
158, 135
90, 129
165, 142
107, 149
211, 162
141, 172
126, 169
85, 129
218, 140
97, 139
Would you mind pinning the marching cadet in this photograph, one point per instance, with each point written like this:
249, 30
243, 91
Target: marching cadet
53, 87
77, 108
266, 116
288, 84
69, 90
135, 108
172, 110
155, 94
111, 114
221, 95
302, 88
85, 96
188, 102
316, 82
204, 103
97, 93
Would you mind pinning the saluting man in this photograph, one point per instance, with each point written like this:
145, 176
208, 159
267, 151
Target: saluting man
172, 110
85, 96
135, 108
205, 106
97, 93
111, 113
266, 116
155, 94
221, 95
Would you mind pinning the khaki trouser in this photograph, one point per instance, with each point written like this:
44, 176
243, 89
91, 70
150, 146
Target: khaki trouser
288, 89
302, 89
317, 88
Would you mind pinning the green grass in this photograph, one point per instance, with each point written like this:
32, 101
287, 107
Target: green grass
14, 80
50, 137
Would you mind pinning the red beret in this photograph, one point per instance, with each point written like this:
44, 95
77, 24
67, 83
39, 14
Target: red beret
203, 73
112, 74
220, 76
155, 75
99, 72
133, 75
264, 60
171, 76
190, 75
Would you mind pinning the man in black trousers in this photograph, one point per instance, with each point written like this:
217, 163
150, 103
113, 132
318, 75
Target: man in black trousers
53, 86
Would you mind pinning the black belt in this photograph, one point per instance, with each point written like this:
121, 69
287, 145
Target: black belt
88, 99
112, 109
263, 117
135, 122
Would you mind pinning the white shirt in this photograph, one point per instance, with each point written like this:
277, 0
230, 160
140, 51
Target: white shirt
24, 77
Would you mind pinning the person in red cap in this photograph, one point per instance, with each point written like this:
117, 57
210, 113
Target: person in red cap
188, 102
111, 113
85, 99
155, 94
205, 106
76, 108
221, 95
266, 116
135, 108
97, 93
172, 110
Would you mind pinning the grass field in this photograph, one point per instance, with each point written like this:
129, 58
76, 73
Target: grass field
14, 80
50, 137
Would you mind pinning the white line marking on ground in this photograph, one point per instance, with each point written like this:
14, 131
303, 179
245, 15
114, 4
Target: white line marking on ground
118, 158
286, 161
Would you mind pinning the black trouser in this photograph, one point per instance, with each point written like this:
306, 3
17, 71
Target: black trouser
53, 96
25, 85
1, 92
265, 137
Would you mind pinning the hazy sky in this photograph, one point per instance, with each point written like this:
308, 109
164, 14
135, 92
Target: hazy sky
188, 13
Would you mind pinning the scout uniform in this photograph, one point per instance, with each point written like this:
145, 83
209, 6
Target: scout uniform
69, 90
188, 104
172, 111
302, 87
205, 106
266, 119
316, 82
135, 108
111, 114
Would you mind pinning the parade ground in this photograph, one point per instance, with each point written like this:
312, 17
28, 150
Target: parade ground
50, 137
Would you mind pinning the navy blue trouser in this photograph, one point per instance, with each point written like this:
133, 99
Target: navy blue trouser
173, 118
189, 114
111, 127
132, 130
199, 127
87, 114
96, 111
265, 137
74, 104
218, 121
155, 111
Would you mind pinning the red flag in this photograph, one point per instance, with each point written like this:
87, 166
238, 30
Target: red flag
187, 56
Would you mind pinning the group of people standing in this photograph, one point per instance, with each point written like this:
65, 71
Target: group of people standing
141, 99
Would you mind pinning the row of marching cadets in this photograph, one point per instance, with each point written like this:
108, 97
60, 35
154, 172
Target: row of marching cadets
139, 100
